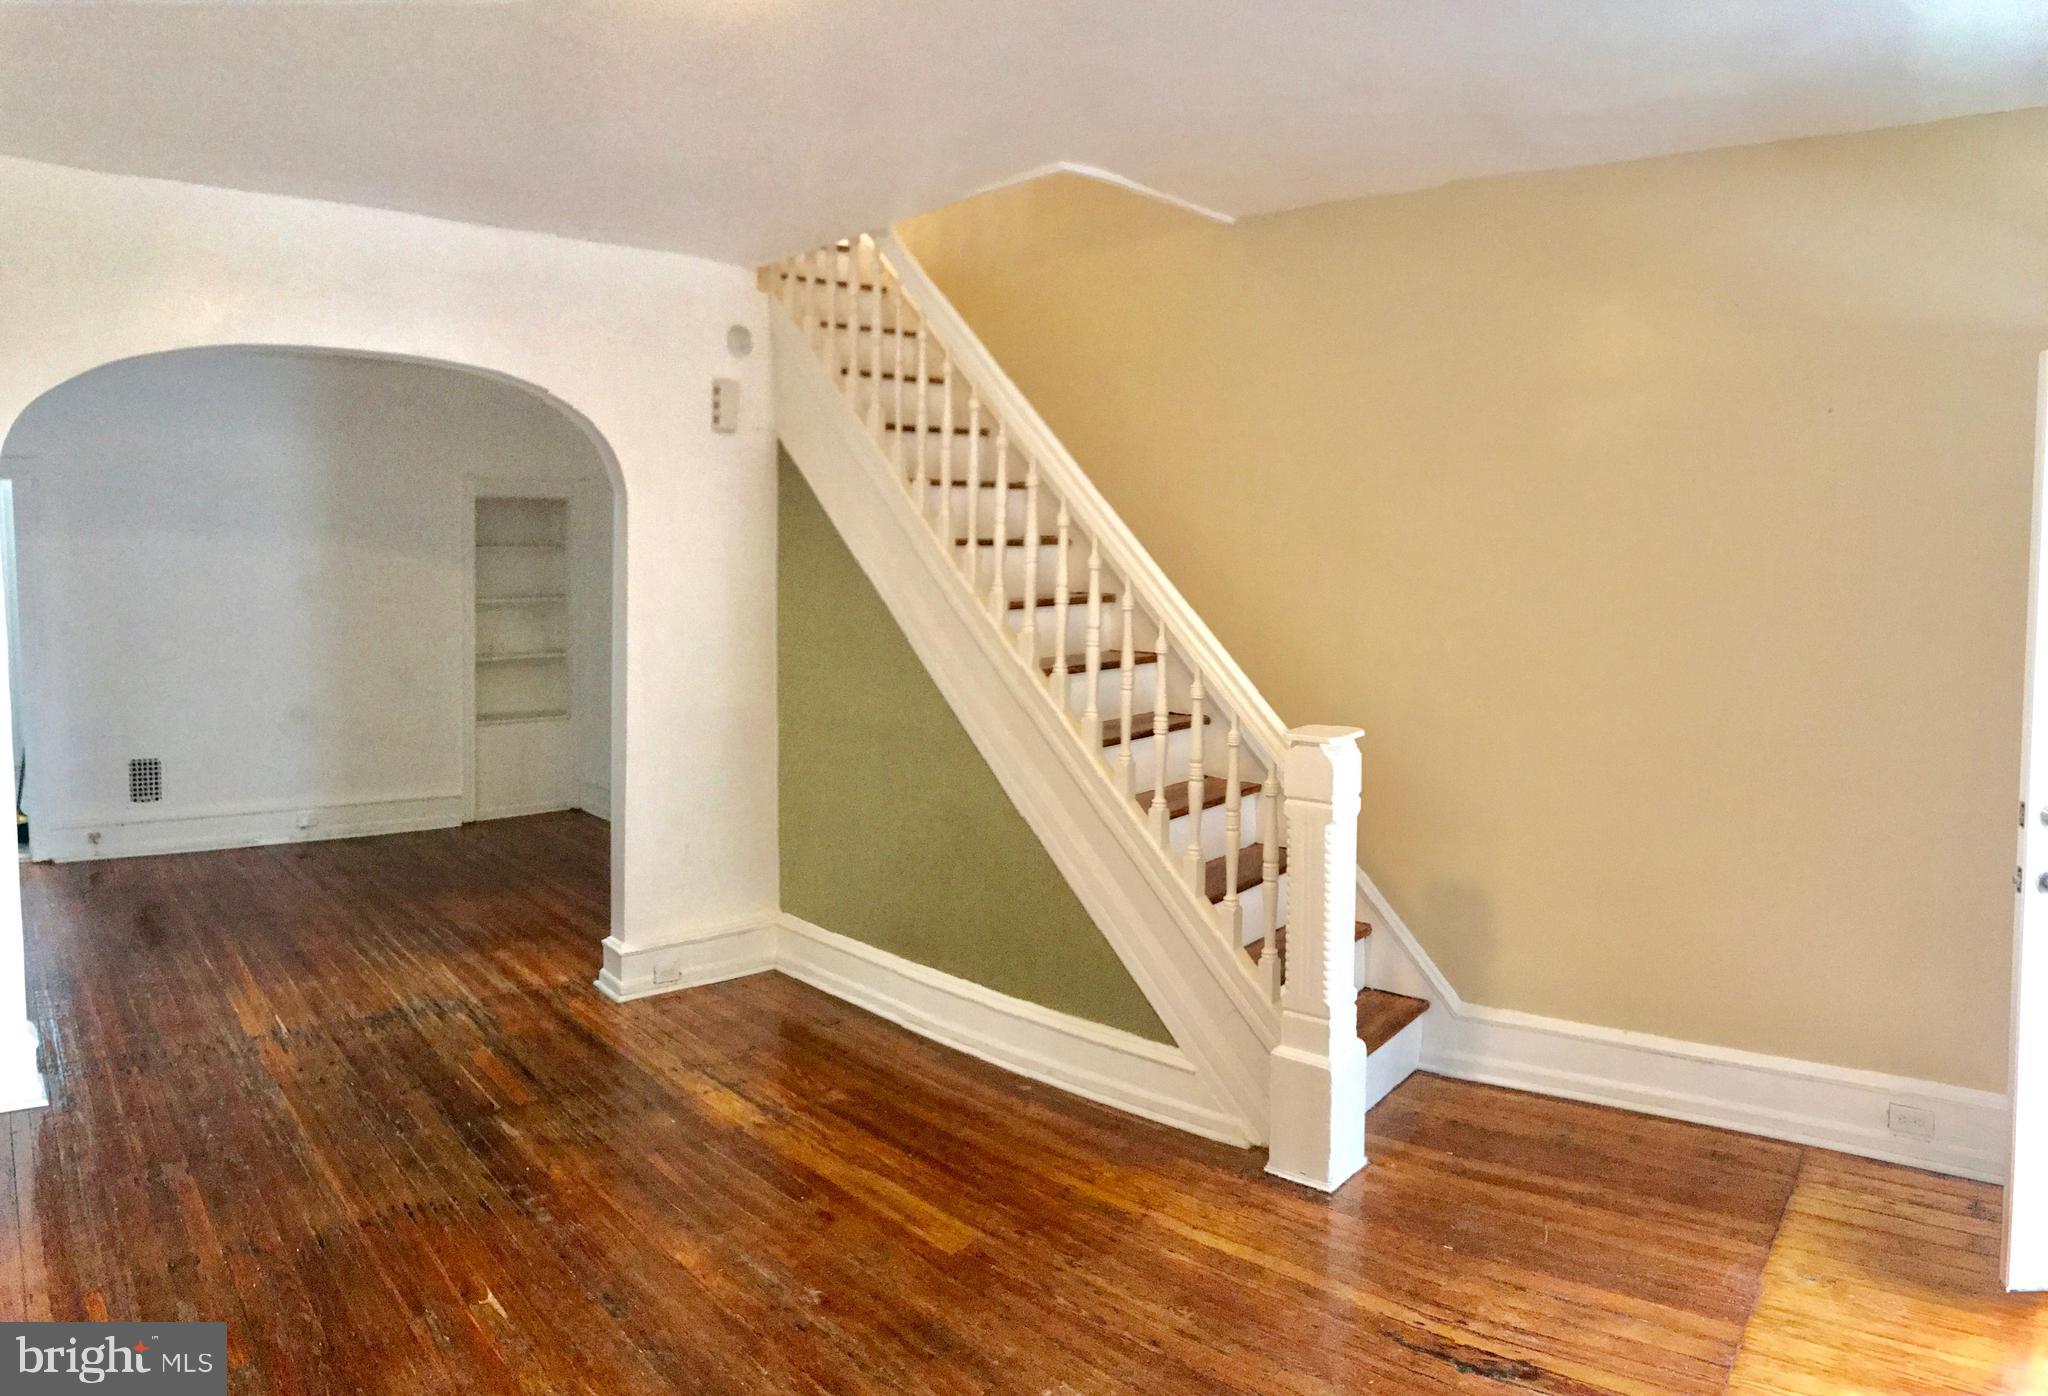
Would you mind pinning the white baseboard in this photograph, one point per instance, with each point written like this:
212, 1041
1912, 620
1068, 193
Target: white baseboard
21, 1084
593, 798
700, 955
129, 835
1141, 1077
1804, 1102
522, 811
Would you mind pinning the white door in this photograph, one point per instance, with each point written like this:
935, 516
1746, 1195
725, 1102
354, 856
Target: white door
2026, 1188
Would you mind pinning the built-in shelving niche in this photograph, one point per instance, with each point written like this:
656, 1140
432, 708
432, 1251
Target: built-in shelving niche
522, 654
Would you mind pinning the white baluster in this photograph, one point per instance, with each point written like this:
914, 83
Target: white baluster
1192, 855
1160, 826
1233, 835
1317, 1079
842, 349
875, 346
998, 588
1056, 684
1271, 831
815, 306
916, 451
945, 519
856, 256
1091, 713
1126, 686
972, 561
1027, 633
897, 415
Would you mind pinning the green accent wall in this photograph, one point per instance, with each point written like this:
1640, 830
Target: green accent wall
894, 830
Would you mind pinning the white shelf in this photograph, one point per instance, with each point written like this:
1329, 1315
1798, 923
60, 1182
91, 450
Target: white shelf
523, 690
527, 657
544, 715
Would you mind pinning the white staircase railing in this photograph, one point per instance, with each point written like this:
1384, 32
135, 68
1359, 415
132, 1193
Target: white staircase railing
1194, 746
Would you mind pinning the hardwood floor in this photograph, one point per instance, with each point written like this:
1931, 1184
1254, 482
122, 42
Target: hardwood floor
360, 1100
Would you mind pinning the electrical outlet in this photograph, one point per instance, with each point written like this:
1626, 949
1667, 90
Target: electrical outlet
1913, 1121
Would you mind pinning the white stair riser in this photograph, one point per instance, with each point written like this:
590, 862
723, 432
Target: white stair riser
1252, 902
934, 394
985, 512
1144, 756
836, 308
862, 344
1212, 827
1076, 638
1015, 557
930, 446
1109, 690
1393, 1063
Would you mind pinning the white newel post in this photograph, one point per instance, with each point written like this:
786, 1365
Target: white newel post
1318, 1070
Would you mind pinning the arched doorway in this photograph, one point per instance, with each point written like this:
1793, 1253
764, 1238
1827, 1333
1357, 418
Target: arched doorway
270, 596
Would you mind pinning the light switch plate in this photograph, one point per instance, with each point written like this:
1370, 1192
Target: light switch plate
725, 404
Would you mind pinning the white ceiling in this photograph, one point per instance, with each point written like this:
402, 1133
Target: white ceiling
740, 129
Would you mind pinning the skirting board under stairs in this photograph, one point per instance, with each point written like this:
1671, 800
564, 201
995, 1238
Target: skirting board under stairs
1150, 1079
1153, 1080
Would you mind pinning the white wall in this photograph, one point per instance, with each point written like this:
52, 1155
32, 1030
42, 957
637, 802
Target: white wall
98, 267
590, 617
251, 564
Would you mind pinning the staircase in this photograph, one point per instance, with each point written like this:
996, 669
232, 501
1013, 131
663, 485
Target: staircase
1228, 842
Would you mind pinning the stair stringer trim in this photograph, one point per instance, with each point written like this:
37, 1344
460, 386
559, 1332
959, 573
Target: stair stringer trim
1212, 1007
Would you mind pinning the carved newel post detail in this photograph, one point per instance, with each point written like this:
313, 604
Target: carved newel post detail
1318, 1068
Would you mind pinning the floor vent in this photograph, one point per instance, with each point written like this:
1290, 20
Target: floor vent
145, 780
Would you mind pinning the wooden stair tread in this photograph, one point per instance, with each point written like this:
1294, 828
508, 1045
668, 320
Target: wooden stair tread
984, 484
866, 286
1139, 658
882, 329
892, 375
1113, 728
1077, 598
1215, 790
1045, 540
936, 429
1251, 861
1257, 948
1381, 1015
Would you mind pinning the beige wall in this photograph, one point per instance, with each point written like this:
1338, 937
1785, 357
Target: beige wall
1664, 526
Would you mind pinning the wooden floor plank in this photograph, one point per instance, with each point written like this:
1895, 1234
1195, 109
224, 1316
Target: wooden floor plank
1885, 1279
359, 1100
